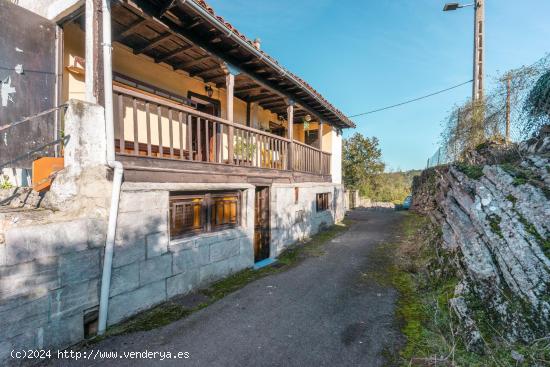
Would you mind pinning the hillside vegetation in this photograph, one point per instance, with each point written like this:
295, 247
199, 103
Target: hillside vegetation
388, 187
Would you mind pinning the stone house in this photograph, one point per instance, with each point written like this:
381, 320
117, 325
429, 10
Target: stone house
189, 154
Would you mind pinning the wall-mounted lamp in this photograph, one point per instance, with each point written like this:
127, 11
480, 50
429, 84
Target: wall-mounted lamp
307, 118
209, 91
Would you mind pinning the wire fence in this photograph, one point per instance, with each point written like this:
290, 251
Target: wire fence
513, 110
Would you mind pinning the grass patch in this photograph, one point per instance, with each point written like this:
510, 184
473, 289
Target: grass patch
426, 281
171, 311
475, 172
494, 222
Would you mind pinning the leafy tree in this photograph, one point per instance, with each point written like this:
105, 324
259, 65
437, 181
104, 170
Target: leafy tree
361, 159
537, 104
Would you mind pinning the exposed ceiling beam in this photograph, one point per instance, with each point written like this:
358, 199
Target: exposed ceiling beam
153, 43
166, 8
248, 89
171, 54
131, 29
205, 71
262, 99
185, 65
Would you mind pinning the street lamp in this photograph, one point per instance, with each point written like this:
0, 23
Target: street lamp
479, 18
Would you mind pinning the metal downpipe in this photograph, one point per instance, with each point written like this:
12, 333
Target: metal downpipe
111, 162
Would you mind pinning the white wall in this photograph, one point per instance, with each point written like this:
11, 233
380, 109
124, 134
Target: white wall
53, 10
336, 159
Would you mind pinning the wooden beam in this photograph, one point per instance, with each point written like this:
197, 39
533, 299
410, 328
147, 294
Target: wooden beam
185, 65
261, 98
290, 118
248, 89
173, 53
206, 71
164, 10
273, 104
153, 43
131, 29
230, 87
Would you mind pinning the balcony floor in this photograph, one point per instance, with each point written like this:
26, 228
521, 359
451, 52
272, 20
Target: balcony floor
146, 169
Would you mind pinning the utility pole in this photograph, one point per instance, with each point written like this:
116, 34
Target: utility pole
508, 107
479, 43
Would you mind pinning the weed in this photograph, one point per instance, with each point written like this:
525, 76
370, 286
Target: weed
475, 172
494, 222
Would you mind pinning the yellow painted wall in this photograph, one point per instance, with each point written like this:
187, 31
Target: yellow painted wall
163, 77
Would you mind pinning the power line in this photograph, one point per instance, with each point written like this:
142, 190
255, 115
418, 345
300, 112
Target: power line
412, 100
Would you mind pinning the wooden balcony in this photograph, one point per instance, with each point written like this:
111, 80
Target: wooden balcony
159, 140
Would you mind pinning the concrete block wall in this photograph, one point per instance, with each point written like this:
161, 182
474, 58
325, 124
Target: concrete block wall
149, 268
293, 221
49, 278
50, 271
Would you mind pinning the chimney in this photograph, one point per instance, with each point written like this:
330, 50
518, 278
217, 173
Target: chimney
257, 43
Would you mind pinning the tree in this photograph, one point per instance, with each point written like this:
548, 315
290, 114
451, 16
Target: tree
361, 159
537, 104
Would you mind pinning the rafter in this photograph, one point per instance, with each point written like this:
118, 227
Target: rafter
185, 65
171, 54
131, 29
153, 43
205, 71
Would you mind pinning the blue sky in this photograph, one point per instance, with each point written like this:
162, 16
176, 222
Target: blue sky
365, 54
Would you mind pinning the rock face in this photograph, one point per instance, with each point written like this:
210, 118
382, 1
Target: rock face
495, 219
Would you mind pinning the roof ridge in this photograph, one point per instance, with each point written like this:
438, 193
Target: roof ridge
308, 86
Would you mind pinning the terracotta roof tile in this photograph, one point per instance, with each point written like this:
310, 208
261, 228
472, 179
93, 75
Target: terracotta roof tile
230, 27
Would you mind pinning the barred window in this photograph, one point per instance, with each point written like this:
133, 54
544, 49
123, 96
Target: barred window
323, 202
194, 213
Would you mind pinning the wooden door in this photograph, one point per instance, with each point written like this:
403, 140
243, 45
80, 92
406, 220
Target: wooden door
261, 224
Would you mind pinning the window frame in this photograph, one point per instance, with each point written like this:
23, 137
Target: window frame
206, 212
322, 202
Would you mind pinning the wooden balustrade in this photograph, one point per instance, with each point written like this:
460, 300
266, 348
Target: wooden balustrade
152, 126
310, 159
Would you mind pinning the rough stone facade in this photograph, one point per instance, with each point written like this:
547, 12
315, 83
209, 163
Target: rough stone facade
51, 245
496, 219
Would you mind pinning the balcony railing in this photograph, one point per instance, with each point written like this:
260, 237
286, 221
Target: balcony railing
151, 126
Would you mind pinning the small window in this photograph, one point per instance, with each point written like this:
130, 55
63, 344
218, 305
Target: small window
296, 195
323, 201
194, 213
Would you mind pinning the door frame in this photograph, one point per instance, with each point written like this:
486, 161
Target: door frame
265, 248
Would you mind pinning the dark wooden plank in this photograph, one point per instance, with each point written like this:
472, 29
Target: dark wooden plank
215, 141
173, 53
154, 42
136, 132
207, 139
186, 65
171, 132
148, 121
159, 115
121, 120
180, 129
199, 138
190, 137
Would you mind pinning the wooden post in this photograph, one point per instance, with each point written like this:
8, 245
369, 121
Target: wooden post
508, 107
290, 114
321, 146
230, 87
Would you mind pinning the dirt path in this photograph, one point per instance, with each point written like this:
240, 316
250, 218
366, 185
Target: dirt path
323, 312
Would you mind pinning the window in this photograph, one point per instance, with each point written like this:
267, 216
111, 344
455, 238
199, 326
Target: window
296, 195
194, 213
323, 201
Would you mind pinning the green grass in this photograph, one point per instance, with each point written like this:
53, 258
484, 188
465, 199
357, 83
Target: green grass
475, 172
426, 281
171, 311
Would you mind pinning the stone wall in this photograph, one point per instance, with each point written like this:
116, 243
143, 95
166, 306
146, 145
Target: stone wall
50, 265
293, 221
496, 230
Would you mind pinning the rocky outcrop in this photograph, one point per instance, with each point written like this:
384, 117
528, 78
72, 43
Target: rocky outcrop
495, 220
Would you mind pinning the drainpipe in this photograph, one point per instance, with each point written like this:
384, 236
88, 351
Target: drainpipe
112, 163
